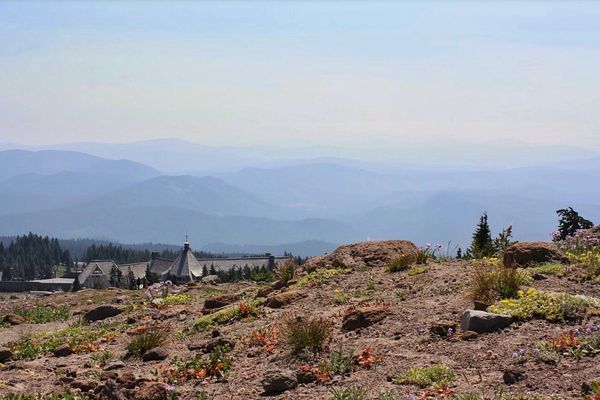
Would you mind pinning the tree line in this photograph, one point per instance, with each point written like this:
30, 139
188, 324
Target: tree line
33, 256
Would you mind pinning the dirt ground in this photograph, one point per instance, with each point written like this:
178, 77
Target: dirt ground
400, 341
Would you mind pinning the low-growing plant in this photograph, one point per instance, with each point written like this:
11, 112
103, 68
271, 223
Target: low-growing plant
352, 393
321, 276
401, 263
79, 337
286, 271
389, 395
150, 336
418, 270
102, 357
43, 314
267, 338
576, 343
227, 315
173, 299
339, 363
339, 297
554, 268
553, 307
436, 375
595, 392
306, 333
216, 366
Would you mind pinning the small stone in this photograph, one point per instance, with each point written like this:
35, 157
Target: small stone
155, 354
278, 381
220, 301
62, 351
85, 385
215, 333
469, 335
5, 354
441, 328
13, 319
114, 365
513, 375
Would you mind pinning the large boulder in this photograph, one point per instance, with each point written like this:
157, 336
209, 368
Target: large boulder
524, 254
481, 321
369, 254
102, 312
211, 279
5, 354
278, 381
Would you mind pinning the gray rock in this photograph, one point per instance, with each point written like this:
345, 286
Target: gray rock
114, 365
155, 354
211, 279
5, 354
102, 312
62, 351
278, 381
481, 321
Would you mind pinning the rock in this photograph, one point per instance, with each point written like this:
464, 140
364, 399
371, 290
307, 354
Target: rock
155, 354
278, 381
215, 333
306, 376
211, 279
102, 312
369, 254
469, 335
114, 365
210, 345
523, 254
5, 354
219, 301
62, 351
442, 327
281, 299
13, 319
264, 291
363, 317
85, 385
118, 300
148, 391
513, 375
481, 321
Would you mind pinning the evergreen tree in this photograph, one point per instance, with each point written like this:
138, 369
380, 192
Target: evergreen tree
504, 239
482, 245
76, 284
569, 222
131, 279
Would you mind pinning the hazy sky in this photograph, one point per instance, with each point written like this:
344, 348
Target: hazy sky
348, 73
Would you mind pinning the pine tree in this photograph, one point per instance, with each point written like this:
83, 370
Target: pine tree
76, 284
504, 239
569, 222
482, 245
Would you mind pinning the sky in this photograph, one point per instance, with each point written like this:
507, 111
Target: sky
295, 73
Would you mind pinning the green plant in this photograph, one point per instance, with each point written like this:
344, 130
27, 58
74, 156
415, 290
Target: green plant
286, 271
172, 299
339, 297
306, 333
554, 307
401, 263
227, 315
437, 375
482, 245
569, 222
339, 362
491, 281
552, 268
321, 276
42, 314
216, 365
151, 336
352, 393
389, 395
102, 357
418, 270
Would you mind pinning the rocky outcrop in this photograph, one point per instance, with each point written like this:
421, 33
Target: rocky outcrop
481, 321
220, 301
363, 317
211, 279
369, 254
282, 299
524, 254
102, 312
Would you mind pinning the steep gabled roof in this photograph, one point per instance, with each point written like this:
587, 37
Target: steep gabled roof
185, 266
96, 267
